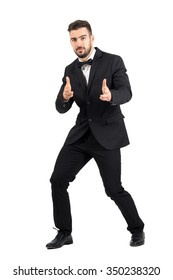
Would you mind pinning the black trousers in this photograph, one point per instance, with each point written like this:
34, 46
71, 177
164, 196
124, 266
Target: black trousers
70, 161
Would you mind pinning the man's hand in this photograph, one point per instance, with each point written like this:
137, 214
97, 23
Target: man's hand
67, 93
106, 96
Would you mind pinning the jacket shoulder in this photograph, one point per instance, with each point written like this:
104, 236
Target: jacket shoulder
109, 57
72, 64
106, 54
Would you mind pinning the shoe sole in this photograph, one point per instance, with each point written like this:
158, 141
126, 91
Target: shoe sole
138, 244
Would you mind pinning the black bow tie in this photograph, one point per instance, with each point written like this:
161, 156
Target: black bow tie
88, 62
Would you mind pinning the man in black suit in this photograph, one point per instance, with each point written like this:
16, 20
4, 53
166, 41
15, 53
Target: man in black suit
98, 83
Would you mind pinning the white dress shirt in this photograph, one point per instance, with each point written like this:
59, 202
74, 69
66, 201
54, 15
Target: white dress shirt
86, 67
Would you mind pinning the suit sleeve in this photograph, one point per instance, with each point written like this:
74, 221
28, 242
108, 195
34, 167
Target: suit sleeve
63, 106
121, 91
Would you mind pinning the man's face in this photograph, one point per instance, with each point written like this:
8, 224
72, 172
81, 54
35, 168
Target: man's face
82, 42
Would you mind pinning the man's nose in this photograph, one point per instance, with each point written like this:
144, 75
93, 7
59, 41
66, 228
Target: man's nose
79, 42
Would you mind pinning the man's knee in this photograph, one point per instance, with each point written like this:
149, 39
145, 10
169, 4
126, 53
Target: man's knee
61, 179
115, 192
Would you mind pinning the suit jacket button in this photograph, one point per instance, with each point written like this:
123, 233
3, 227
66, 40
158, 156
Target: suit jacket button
88, 102
90, 120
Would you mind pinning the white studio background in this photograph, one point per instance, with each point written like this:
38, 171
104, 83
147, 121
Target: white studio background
35, 49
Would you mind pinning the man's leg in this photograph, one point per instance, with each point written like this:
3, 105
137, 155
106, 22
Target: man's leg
69, 162
109, 163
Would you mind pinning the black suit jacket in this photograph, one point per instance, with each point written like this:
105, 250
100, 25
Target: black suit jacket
104, 118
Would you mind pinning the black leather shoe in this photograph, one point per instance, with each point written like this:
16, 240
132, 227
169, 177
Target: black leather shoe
137, 239
59, 241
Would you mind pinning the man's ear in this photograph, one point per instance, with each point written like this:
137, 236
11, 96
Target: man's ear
92, 38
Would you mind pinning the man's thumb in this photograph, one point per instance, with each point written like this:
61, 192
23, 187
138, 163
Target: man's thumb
104, 83
67, 80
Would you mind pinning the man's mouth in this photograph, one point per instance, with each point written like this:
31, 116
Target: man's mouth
80, 49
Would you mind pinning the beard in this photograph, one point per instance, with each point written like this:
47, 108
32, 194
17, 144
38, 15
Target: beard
85, 54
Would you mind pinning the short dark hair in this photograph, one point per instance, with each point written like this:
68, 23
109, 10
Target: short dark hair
79, 24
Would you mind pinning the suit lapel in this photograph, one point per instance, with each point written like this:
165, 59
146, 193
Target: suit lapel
95, 65
80, 77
